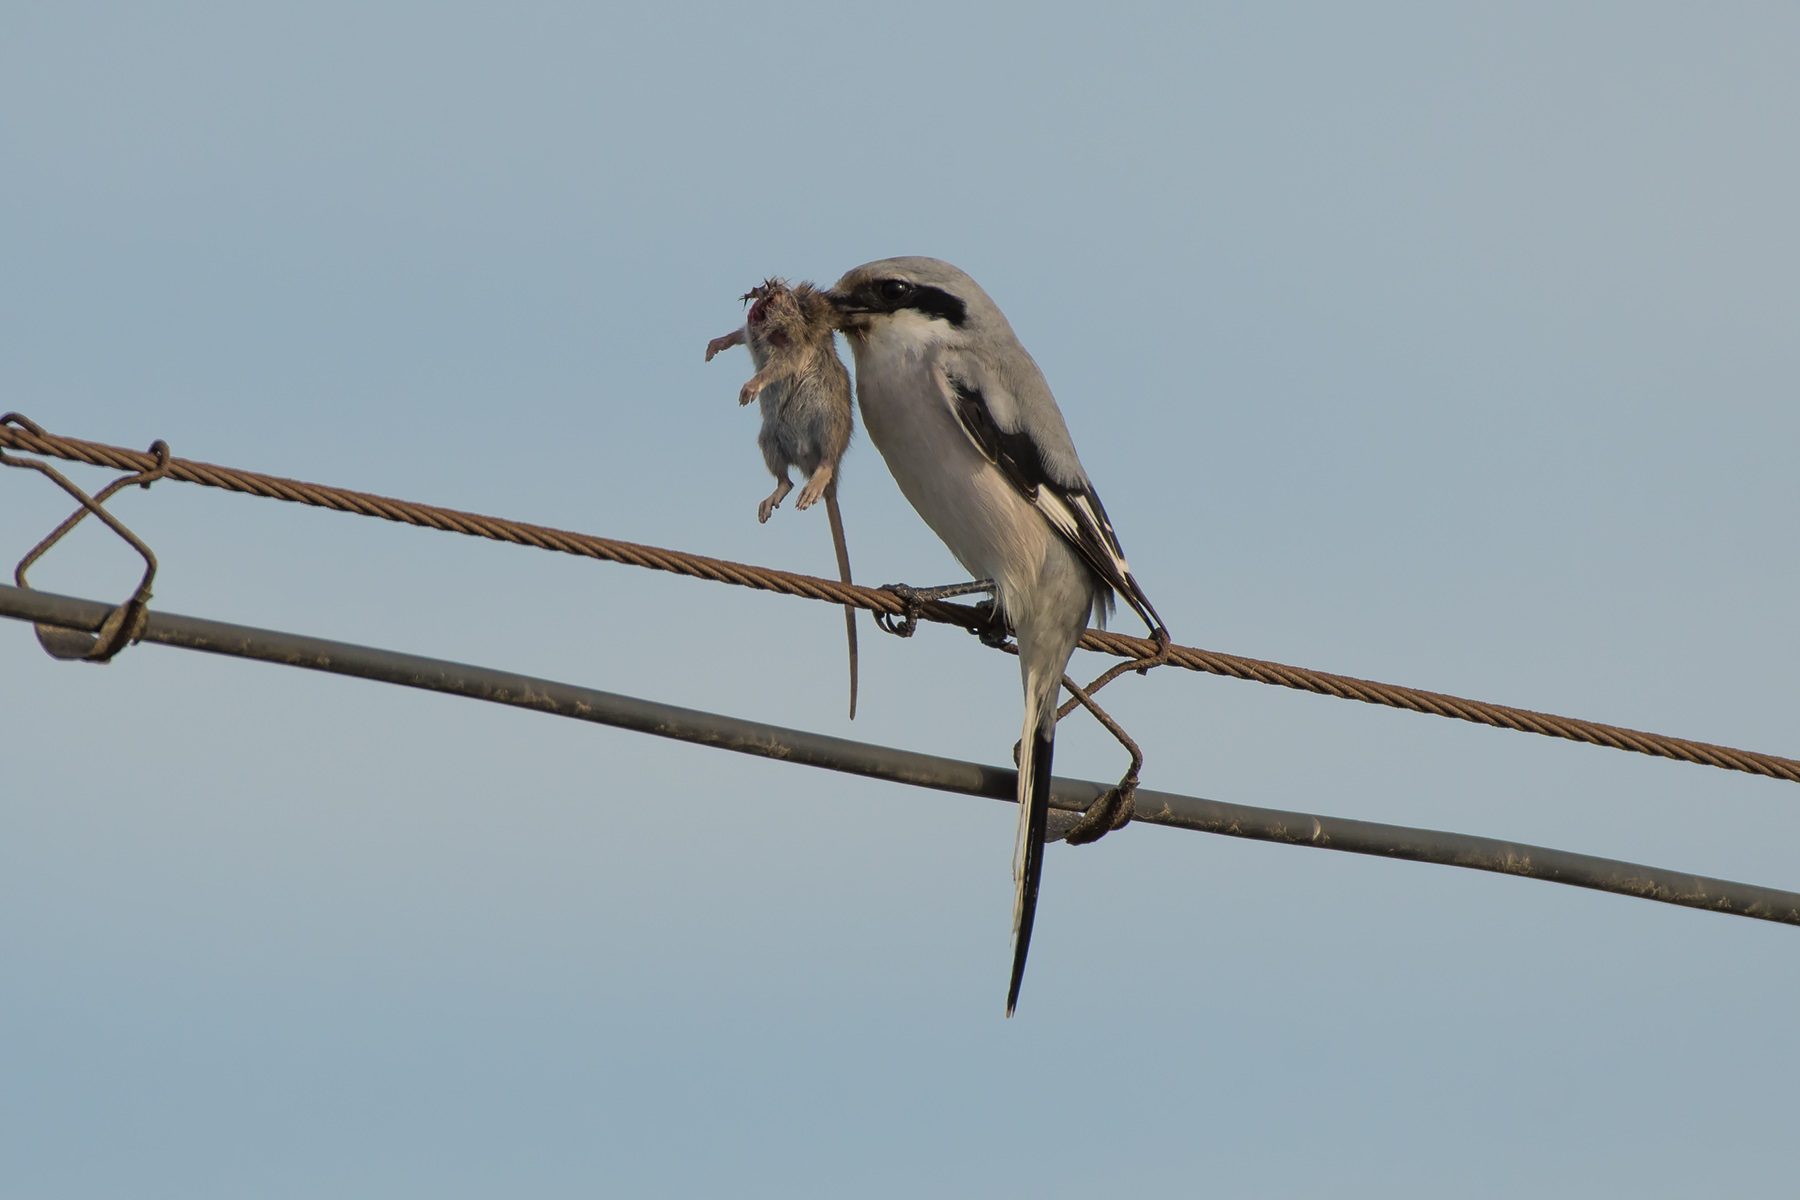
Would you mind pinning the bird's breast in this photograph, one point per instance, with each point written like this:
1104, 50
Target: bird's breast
992, 530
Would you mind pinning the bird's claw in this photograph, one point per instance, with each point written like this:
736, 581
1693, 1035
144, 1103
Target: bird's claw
906, 622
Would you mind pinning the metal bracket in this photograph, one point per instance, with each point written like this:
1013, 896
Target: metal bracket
125, 624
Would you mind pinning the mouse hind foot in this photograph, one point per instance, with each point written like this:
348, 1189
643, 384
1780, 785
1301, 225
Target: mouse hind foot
815, 487
773, 501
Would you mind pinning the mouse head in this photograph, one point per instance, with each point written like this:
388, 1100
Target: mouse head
781, 316
770, 291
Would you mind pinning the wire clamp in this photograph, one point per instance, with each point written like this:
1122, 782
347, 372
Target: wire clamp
1116, 806
125, 624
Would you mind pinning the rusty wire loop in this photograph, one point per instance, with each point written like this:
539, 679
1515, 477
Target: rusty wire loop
1163, 656
125, 624
1118, 804
875, 600
1113, 808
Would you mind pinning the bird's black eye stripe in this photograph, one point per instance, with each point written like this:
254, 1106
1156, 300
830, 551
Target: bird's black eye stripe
892, 295
935, 302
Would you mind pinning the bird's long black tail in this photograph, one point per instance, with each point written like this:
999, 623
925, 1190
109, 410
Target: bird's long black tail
1028, 853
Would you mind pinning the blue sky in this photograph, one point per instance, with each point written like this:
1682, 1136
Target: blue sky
1453, 347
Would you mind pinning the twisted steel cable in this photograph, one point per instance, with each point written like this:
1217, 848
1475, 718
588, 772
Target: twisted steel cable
18, 434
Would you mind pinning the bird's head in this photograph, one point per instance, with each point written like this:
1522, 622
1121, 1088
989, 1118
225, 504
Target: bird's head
923, 298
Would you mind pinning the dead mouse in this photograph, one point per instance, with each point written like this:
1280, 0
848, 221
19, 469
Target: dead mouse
804, 392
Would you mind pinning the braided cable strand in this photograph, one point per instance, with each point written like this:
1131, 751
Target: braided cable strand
1323, 683
1437, 704
452, 520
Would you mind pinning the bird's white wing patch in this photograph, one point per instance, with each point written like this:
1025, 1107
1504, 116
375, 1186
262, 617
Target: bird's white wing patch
1078, 518
1074, 512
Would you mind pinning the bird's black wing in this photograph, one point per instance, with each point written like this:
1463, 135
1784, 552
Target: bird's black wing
1074, 512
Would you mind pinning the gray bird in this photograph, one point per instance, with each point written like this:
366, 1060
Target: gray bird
973, 437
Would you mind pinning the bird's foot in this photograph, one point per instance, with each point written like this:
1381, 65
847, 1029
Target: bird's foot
906, 622
949, 589
993, 630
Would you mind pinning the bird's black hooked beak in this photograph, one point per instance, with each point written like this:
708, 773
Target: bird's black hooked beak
853, 314
847, 303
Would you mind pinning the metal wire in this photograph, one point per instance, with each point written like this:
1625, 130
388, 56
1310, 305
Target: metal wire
919, 770
1323, 683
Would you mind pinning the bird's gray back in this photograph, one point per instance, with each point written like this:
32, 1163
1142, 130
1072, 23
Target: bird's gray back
988, 354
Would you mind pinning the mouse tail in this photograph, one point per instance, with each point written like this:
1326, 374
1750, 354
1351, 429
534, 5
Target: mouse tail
843, 557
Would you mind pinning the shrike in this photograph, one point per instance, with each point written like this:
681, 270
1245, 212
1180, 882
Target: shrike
973, 437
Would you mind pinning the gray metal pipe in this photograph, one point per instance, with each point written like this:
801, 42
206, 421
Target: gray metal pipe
918, 770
